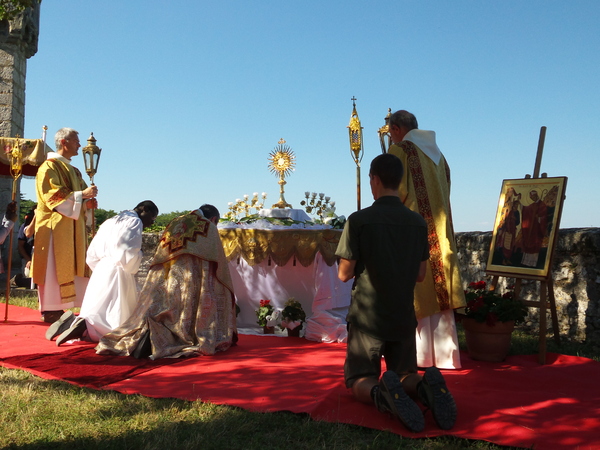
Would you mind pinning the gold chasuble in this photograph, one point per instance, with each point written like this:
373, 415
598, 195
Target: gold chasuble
55, 181
186, 307
425, 188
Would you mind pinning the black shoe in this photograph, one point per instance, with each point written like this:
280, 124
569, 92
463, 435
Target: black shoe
76, 330
60, 325
51, 316
392, 398
434, 394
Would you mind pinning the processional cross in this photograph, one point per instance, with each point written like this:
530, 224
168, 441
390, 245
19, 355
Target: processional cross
20, 157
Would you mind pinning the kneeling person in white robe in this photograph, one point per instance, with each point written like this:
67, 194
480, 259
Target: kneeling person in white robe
114, 256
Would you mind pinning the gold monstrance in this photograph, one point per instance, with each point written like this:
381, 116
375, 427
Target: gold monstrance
91, 157
282, 161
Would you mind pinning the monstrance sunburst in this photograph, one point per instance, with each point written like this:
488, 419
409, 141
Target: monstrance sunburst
282, 162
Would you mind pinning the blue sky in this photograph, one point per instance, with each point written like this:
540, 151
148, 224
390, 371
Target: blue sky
188, 101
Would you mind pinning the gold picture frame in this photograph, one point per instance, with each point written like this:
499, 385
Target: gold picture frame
526, 227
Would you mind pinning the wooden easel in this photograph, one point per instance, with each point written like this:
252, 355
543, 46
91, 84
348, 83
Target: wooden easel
546, 292
546, 301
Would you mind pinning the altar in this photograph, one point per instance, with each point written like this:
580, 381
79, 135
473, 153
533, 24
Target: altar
275, 262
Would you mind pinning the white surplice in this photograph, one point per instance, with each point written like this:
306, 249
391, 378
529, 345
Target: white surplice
114, 255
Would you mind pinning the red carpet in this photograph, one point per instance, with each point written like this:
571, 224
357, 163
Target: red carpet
517, 403
82, 366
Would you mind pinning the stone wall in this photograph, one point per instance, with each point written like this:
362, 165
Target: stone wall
575, 271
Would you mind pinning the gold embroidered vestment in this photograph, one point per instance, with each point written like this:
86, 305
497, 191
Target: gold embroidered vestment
55, 182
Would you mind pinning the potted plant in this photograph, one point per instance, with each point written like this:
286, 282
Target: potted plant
489, 321
292, 317
267, 316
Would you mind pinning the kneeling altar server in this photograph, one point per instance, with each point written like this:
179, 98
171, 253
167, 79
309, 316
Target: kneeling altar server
114, 255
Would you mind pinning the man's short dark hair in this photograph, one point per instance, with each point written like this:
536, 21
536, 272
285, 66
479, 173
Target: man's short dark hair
209, 211
147, 206
29, 216
405, 119
389, 169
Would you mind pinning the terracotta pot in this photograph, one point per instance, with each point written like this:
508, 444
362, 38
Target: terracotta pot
295, 332
268, 330
485, 342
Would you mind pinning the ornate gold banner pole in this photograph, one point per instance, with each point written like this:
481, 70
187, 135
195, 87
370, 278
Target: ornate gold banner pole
356, 146
91, 157
15, 159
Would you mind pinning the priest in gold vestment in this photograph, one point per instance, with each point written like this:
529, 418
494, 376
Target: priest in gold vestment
58, 265
187, 306
425, 189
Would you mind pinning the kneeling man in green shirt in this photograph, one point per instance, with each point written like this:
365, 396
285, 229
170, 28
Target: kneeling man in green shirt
385, 249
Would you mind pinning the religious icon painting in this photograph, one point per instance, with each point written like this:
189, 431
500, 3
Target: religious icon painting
526, 227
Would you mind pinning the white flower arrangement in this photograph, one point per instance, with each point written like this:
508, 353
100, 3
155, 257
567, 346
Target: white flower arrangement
274, 318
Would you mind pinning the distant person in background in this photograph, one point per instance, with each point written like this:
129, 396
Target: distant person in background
426, 189
186, 306
25, 246
8, 222
114, 255
59, 267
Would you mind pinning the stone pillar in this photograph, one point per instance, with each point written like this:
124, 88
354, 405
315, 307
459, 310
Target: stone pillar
18, 42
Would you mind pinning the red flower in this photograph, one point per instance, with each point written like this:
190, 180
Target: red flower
264, 303
475, 285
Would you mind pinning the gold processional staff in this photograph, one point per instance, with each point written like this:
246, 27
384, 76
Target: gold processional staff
356, 146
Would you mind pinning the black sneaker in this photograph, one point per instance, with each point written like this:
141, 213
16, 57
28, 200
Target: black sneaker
76, 330
60, 325
391, 398
434, 394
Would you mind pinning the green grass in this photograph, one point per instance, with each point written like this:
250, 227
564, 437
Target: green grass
37, 413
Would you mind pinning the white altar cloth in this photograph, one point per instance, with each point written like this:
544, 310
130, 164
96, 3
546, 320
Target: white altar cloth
324, 298
294, 214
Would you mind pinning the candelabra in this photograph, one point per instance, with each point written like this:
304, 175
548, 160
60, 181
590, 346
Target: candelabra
245, 206
315, 205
